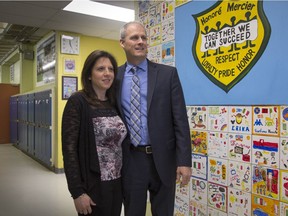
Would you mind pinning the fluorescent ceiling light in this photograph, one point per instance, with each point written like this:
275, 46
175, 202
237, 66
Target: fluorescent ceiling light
97, 9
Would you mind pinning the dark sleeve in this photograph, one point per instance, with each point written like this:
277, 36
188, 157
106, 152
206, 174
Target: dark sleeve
71, 120
180, 121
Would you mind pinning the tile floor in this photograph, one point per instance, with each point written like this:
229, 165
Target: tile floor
29, 189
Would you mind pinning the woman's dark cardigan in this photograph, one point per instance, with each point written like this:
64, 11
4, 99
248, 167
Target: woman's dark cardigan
81, 162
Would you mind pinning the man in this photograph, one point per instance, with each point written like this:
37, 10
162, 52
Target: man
157, 151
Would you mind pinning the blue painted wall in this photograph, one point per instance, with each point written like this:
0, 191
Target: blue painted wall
266, 83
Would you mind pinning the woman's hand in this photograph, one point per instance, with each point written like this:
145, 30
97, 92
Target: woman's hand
83, 204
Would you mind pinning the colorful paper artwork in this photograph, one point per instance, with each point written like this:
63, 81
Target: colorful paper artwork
144, 20
239, 202
284, 186
168, 31
168, 53
214, 212
197, 117
199, 166
239, 176
283, 209
266, 120
217, 170
198, 190
284, 121
197, 209
181, 206
181, 2
218, 118
263, 206
143, 7
265, 181
168, 10
265, 151
240, 119
199, 142
218, 145
217, 196
239, 147
155, 35
155, 15
154, 54
284, 153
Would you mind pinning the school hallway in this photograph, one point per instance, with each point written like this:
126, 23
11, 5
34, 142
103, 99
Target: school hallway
27, 188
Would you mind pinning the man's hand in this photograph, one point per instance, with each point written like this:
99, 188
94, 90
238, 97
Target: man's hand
183, 175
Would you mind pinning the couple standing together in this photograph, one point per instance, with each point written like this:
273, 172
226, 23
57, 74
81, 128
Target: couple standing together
108, 159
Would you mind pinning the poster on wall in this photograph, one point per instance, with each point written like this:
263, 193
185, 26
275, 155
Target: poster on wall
199, 166
12, 73
240, 119
266, 120
215, 212
218, 172
239, 147
263, 206
46, 61
181, 205
197, 117
265, 181
198, 190
284, 186
144, 20
168, 31
265, 151
199, 142
218, 118
155, 35
239, 202
197, 208
239, 176
69, 86
180, 2
143, 6
283, 153
226, 48
154, 15
218, 144
217, 196
168, 53
154, 53
69, 66
168, 10
284, 121
283, 209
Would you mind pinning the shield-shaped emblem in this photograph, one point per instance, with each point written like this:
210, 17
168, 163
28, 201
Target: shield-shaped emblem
230, 38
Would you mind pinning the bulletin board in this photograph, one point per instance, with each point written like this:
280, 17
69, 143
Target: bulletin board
263, 84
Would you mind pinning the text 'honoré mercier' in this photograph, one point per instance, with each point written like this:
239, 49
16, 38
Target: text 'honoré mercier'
230, 8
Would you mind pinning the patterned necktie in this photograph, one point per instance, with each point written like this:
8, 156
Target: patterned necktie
135, 111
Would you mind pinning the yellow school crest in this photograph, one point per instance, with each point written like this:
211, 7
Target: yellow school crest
230, 38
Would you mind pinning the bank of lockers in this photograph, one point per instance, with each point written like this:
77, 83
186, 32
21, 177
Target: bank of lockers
13, 120
32, 130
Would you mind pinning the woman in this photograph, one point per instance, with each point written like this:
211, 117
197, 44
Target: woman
92, 133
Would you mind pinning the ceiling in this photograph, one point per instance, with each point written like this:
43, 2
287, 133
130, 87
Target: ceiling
26, 22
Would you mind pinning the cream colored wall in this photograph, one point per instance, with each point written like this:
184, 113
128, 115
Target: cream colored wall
28, 78
5, 66
5, 74
27, 72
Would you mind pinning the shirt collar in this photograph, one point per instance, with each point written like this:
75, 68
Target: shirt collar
142, 65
